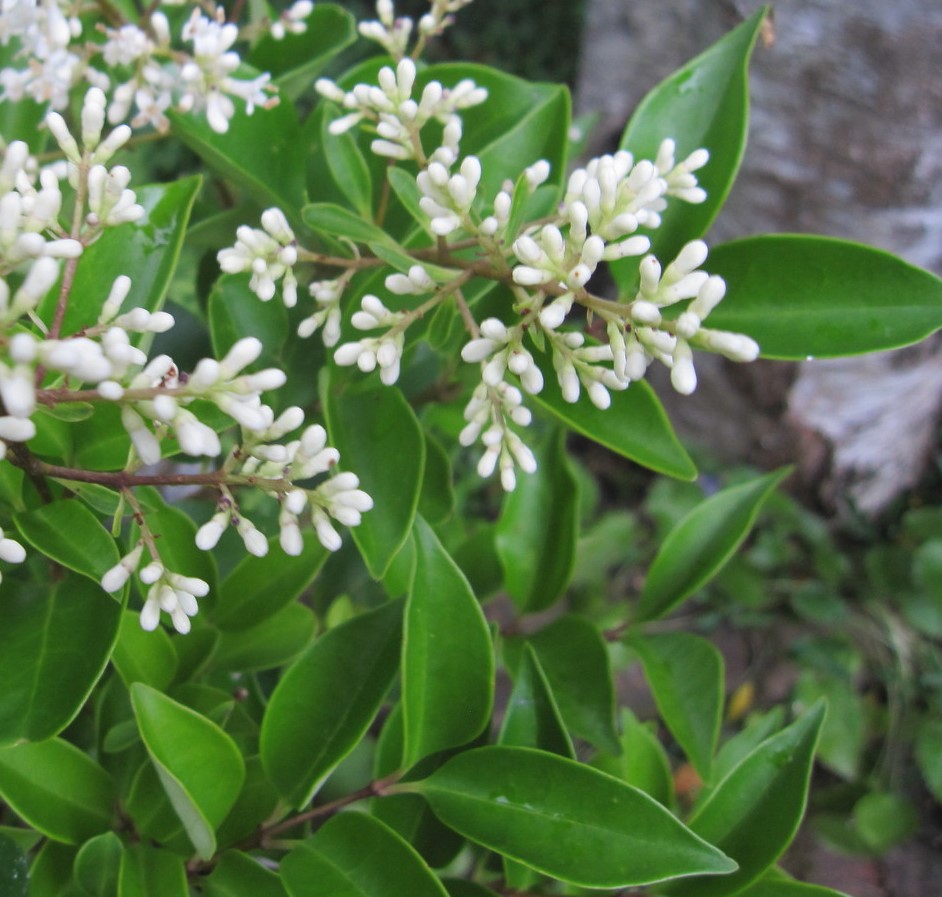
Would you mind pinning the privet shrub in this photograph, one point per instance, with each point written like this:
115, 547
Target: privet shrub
245, 644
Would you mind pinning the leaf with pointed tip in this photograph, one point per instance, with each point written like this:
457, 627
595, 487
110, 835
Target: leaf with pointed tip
803, 296
696, 549
306, 730
355, 855
753, 814
685, 674
183, 746
57, 789
447, 656
565, 819
55, 642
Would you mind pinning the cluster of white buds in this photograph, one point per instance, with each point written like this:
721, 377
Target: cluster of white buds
291, 21
170, 592
576, 362
384, 351
398, 118
269, 254
11, 551
500, 348
392, 32
447, 198
326, 293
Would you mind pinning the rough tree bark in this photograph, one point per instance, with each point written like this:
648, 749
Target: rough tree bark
845, 139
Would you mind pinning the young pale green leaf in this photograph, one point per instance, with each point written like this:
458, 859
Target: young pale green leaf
336, 221
262, 153
744, 742
307, 731
447, 657
380, 439
239, 875
635, 425
696, 549
257, 588
532, 718
183, 745
272, 643
753, 814
565, 819
296, 59
538, 529
98, 865
151, 872
57, 789
803, 296
149, 258
14, 869
685, 674
55, 642
69, 533
643, 761
140, 656
574, 657
355, 855
704, 104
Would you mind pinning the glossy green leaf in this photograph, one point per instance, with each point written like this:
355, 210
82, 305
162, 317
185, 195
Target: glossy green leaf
239, 875
236, 312
151, 872
183, 746
347, 164
256, 803
57, 788
50, 874
753, 814
272, 643
378, 436
149, 807
336, 221
437, 501
13, 869
777, 885
140, 656
538, 529
574, 657
702, 542
262, 153
685, 674
635, 426
296, 59
55, 642
703, 104
69, 533
532, 718
98, 865
805, 296
355, 855
257, 588
565, 819
643, 761
149, 258
447, 657
307, 731
743, 743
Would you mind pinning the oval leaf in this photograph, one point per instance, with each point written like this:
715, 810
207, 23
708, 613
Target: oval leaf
69, 533
685, 673
635, 425
57, 789
447, 657
183, 746
753, 814
803, 296
702, 542
565, 819
54, 644
355, 855
538, 529
98, 864
704, 104
141, 656
378, 436
151, 872
307, 731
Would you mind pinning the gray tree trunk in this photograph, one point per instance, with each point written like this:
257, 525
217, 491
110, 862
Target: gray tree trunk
846, 140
